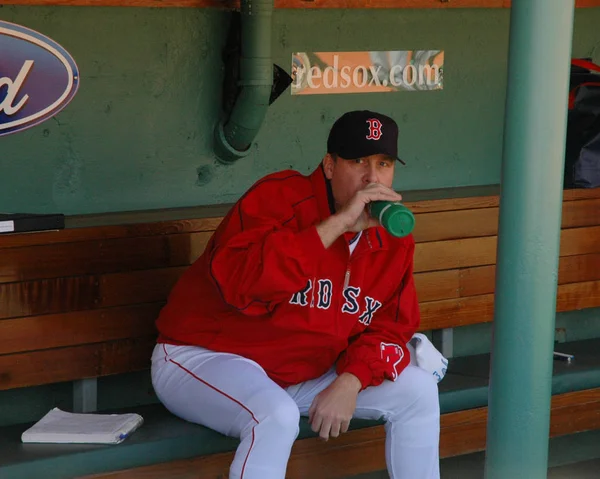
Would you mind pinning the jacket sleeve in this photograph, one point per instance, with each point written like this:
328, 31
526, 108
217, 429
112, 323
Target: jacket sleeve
260, 258
380, 351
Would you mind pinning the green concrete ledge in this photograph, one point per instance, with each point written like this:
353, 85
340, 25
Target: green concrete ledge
166, 438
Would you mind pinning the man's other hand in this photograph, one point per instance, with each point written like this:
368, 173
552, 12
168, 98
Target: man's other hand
332, 409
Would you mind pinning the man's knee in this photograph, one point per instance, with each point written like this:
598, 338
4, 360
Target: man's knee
420, 391
429, 397
284, 418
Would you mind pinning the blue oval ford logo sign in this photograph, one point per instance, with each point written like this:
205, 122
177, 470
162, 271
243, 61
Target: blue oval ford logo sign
38, 78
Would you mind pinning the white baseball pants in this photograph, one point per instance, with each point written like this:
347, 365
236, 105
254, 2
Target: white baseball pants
234, 396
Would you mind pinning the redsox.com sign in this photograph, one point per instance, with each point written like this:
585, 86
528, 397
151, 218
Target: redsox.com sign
367, 72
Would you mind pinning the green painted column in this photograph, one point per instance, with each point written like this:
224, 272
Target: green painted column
529, 237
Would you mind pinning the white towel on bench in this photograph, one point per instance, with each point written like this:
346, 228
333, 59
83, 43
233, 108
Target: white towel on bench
73, 428
426, 356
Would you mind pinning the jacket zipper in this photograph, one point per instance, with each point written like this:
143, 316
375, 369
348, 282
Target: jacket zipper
369, 241
347, 277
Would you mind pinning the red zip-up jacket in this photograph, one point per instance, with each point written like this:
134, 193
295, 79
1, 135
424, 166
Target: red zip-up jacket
267, 289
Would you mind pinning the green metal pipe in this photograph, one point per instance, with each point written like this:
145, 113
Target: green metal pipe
234, 135
529, 239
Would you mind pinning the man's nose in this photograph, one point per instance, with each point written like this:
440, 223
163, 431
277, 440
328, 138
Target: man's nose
371, 174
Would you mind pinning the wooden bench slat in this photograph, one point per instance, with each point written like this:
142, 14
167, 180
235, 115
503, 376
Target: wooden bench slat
77, 327
80, 293
578, 241
469, 252
450, 225
106, 232
572, 269
207, 218
437, 285
32, 369
581, 193
126, 355
94, 257
488, 200
450, 313
39, 262
474, 223
576, 296
138, 286
105, 325
480, 280
461, 253
465, 431
31, 298
581, 213
20, 262
480, 309
78, 362
127, 254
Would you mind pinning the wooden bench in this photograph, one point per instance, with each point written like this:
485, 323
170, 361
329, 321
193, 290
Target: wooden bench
80, 304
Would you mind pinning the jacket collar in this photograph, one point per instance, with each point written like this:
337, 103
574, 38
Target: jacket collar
373, 239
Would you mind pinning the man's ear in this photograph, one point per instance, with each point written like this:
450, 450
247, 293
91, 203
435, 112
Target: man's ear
328, 166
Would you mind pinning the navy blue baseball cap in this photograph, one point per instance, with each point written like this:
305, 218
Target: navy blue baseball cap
361, 133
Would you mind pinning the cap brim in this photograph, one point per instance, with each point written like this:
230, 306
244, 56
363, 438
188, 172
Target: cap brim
401, 161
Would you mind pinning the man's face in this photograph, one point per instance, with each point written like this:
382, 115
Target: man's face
349, 176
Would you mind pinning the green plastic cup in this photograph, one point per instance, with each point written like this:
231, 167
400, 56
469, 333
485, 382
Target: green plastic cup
396, 218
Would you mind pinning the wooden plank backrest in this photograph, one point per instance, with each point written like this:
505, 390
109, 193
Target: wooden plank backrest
82, 302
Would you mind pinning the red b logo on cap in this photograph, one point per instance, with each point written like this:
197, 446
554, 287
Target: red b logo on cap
374, 129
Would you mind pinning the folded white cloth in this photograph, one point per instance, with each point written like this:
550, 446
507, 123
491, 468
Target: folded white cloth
424, 355
65, 427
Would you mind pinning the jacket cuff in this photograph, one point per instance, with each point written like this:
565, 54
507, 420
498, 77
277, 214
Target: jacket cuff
361, 371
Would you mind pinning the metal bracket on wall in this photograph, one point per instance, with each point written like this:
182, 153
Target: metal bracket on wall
443, 340
85, 395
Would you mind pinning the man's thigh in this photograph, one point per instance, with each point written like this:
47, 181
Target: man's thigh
413, 389
224, 392
304, 393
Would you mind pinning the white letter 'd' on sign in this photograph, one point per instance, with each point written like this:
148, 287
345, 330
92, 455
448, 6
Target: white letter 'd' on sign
13, 90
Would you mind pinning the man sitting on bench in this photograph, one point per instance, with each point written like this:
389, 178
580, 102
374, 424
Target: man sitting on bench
302, 304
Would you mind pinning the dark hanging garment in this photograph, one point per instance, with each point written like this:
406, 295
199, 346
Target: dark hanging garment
582, 162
